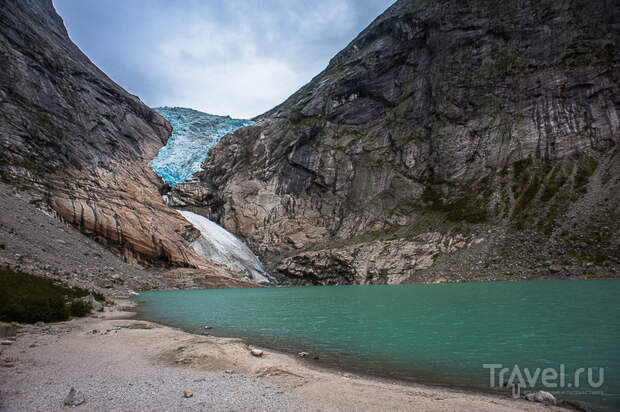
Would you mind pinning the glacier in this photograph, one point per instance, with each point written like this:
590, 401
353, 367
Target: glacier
218, 244
194, 133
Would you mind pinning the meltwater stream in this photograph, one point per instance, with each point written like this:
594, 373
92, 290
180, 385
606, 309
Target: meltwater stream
442, 334
216, 243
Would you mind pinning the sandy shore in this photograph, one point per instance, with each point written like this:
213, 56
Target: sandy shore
125, 364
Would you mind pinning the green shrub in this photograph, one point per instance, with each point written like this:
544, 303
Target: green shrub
98, 297
528, 195
584, 171
556, 181
28, 299
467, 208
80, 308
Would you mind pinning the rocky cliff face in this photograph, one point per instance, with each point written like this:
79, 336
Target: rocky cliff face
444, 128
81, 142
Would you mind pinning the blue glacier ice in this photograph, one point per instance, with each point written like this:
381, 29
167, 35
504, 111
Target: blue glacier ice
194, 133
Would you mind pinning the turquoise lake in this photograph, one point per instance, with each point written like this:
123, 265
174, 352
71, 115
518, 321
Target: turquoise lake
434, 334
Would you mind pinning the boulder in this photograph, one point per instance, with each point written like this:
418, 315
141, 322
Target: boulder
542, 397
7, 330
256, 352
188, 394
576, 405
97, 306
75, 398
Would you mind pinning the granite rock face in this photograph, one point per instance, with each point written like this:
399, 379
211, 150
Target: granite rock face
72, 135
441, 117
375, 262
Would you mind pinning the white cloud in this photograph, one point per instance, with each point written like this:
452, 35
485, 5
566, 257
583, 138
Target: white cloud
221, 71
241, 89
236, 57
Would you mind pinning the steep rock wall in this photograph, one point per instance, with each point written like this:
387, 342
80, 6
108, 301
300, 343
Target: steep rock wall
442, 117
83, 143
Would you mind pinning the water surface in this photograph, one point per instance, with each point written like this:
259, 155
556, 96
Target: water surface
441, 334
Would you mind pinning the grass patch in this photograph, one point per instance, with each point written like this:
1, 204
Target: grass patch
79, 308
27, 298
520, 166
556, 181
467, 208
584, 171
431, 197
98, 297
470, 208
528, 195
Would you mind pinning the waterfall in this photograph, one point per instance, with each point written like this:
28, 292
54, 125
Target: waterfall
218, 244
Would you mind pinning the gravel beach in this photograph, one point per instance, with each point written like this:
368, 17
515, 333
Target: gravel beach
119, 363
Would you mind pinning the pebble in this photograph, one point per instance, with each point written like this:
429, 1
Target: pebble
188, 394
75, 398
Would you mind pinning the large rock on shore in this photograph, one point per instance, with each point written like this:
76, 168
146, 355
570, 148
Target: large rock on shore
74, 398
7, 330
542, 397
441, 116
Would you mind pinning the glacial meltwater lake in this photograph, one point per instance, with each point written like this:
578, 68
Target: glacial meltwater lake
434, 334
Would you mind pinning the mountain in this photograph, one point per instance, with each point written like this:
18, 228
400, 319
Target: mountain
81, 145
449, 141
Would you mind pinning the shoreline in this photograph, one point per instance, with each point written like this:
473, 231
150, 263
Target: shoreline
321, 365
110, 355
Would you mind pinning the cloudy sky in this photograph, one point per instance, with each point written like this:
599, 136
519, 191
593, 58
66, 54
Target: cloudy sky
229, 57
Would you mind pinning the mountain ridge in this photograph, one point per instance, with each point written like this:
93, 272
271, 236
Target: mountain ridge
79, 144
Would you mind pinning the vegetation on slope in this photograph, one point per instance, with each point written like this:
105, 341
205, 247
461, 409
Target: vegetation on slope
27, 298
